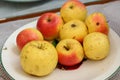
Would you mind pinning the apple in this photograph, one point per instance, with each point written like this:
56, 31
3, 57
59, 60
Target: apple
26, 36
74, 29
73, 9
38, 58
96, 46
70, 52
49, 25
96, 22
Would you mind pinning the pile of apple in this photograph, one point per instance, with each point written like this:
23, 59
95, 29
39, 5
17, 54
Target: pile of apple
76, 36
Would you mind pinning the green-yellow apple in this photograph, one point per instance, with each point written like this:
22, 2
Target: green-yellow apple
96, 22
38, 58
70, 52
26, 36
73, 9
49, 25
74, 29
96, 45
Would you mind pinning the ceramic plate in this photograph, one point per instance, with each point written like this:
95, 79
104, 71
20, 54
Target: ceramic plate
89, 70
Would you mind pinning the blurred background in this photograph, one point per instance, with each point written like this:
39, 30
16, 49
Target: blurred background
11, 8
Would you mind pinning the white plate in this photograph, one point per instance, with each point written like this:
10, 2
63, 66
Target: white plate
89, 70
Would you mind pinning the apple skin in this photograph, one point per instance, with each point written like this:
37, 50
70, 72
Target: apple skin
73, 9
96, 22
26, 36
70, 52
96, 46
74, 29
38, 58
49, 25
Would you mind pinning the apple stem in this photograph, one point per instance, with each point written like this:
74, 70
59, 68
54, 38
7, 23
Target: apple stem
41, 46
71, 7
67, 47
48, 19
73, 25
97, 23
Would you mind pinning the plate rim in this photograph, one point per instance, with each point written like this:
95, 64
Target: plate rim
32, 22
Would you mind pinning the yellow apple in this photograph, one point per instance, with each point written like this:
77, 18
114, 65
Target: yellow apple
96, 22
70, 52
74, 29
27, 35
96, 45
38, 58
73, 9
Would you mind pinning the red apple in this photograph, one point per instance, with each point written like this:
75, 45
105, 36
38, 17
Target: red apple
70, 52
49, 25
73, 9
26, 36
96, 22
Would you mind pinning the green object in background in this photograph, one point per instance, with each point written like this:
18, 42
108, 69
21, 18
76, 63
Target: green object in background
55, 42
